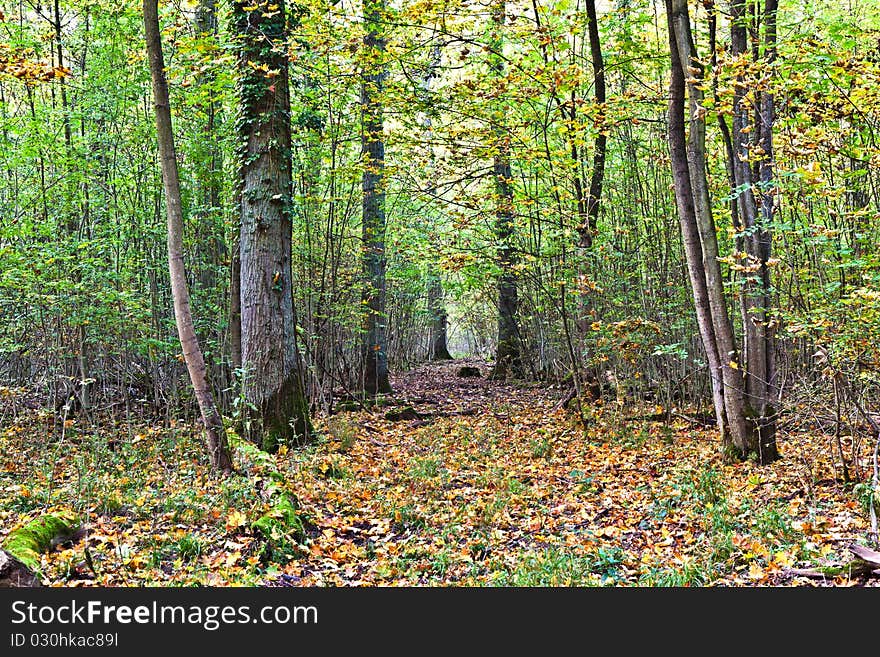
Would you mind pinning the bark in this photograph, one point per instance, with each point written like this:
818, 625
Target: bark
688, 71
438, 349
272, 384
766, 413
218, 449
375, 346
507, 352
688, 224
597, 176
756, 210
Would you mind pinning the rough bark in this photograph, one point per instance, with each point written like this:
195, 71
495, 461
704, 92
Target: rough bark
375, 345
218, 449
272, 383
508, 359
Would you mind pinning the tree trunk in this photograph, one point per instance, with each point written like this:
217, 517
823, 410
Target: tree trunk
272, 383
692, 196
756, 212
597, 176
375, 346
438, 349
508, 359
218, 449
688, 222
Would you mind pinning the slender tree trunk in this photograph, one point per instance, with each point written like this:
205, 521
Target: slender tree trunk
375, 346
218, 450
753, 145
273, 383
76, 368
687, 70
508, 359
597, 176
437, 348
689, 231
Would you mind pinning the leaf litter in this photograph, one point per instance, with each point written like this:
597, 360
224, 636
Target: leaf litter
484, 484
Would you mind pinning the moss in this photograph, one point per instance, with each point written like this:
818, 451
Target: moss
27, 543
282, 520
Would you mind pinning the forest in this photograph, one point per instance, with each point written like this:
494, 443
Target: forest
469, 293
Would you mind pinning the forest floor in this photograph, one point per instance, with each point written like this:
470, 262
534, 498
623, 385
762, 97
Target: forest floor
458, 482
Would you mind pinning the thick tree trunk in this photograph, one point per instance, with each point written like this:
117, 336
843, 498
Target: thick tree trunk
218, 449
508, 359
270, 356
375, 346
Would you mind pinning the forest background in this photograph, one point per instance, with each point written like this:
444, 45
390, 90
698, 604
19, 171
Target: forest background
649, 229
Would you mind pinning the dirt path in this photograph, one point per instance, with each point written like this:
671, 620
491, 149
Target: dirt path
438, 390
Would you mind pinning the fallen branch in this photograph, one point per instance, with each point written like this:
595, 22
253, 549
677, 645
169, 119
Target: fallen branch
866, 563
565, 401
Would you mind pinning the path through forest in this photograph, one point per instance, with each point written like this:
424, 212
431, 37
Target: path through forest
459, 481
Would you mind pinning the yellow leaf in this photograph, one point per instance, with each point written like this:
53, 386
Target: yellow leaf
733, 365
235, 520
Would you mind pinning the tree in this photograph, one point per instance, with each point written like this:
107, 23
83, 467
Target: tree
688, 158
752, 164
375, 343
272, 385
218, 449
508, 359
437, 347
